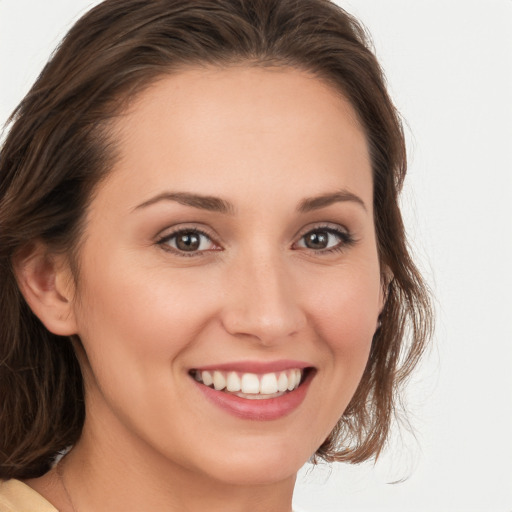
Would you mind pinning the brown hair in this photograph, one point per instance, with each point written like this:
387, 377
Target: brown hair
58, 149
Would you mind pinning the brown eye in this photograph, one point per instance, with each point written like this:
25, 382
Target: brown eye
188, 241
316, 240
325, 240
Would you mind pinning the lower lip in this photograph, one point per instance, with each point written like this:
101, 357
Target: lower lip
259, 410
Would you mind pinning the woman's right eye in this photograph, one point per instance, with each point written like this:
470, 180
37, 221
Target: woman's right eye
188, 241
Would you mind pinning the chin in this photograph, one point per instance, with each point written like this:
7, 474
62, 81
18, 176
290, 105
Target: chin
257, 473
257, 466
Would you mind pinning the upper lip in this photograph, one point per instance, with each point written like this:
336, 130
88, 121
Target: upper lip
256, 366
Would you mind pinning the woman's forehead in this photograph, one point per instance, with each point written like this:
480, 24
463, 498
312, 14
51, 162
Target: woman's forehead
215, 130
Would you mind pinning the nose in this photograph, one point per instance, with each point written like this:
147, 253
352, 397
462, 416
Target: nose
262, 302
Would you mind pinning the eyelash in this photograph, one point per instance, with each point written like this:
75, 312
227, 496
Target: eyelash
346, 240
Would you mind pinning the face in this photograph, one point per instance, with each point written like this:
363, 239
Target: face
232, 242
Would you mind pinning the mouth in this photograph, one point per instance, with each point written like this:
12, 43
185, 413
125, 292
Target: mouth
257, 394
252, 386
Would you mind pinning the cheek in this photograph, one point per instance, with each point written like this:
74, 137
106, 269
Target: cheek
139, 319
119, 290
345, 313
134, 327
346, 309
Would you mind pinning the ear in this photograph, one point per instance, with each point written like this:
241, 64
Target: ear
46, 282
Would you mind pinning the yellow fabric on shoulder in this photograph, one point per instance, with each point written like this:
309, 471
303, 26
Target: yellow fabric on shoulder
15, 496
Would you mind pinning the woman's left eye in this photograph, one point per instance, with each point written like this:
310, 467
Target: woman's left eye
188, 241
325, 239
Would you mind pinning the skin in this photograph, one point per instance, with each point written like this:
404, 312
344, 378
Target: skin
263, 140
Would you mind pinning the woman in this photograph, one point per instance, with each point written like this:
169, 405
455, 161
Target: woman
205, 278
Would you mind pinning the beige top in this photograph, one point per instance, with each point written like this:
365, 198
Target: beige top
15, 496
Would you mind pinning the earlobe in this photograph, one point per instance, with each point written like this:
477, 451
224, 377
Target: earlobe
45, 281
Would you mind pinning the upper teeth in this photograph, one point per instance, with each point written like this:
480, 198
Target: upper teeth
251, 383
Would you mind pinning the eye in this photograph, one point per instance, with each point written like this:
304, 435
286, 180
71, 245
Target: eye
188, 241
325, 239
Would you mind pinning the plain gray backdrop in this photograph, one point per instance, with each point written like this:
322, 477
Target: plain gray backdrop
449, 68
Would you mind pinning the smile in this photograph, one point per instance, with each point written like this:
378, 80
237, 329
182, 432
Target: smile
253, 391
251, 385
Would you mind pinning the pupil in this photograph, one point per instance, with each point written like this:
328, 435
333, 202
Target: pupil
317, 240
188, 242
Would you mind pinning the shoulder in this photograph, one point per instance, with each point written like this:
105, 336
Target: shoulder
15, 496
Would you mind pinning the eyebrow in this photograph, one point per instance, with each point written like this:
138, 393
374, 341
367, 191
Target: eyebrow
216, 204
209, 203
318, 202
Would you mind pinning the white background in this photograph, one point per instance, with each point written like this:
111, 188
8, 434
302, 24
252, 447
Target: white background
449, 67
